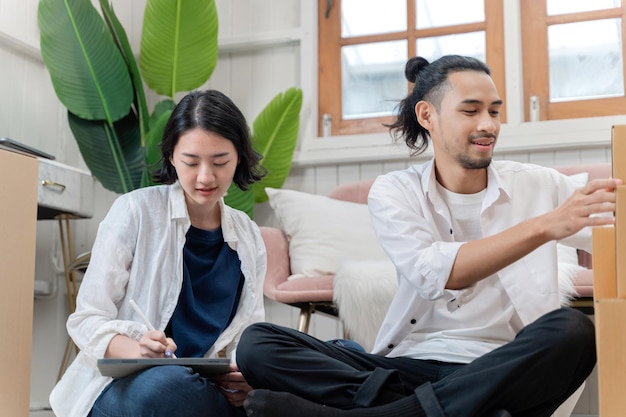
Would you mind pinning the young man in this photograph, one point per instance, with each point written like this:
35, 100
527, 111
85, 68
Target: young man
475, 328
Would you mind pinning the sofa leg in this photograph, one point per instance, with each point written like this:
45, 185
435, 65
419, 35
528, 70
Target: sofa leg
305, 317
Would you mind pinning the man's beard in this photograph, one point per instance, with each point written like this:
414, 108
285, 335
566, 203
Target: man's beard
470, 163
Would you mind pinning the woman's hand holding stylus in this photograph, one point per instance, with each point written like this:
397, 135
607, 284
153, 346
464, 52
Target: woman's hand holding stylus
165, 347
154, 344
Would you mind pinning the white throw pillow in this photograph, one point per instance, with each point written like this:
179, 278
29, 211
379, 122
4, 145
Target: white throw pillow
580, 179
568, 267
323, 231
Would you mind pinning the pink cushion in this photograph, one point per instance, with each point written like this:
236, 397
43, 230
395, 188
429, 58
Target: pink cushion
276, 285
583, 281
355, 191
602, 170
319, 288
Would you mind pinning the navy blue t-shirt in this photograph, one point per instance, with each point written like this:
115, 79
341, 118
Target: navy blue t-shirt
212, 285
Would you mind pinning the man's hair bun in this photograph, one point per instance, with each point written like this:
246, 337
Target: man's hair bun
413, 67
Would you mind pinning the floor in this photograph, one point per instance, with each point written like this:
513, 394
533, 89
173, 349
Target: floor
42, 413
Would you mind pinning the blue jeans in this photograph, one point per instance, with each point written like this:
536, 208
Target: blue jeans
163, 391
350, 344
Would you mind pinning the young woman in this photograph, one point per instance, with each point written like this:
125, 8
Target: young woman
194, 266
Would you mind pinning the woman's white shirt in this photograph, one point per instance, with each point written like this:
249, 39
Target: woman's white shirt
138, 254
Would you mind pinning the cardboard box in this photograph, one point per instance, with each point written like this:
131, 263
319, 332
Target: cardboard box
609, 270
610, 317
620, 239
618, 151
18, 223
604, 271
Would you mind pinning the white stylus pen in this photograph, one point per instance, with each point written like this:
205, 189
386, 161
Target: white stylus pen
135, 307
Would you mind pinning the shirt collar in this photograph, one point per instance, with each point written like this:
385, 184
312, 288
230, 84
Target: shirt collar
179, 211
495, 189
177, 202
228, 225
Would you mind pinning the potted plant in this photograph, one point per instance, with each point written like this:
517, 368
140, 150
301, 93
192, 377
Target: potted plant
95, 75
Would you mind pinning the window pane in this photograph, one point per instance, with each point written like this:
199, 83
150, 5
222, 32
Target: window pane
583, 66
373, 78
576, 6
470, 44
370, 17
437, 13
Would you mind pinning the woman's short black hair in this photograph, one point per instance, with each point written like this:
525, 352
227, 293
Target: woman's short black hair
212, 111
430, 82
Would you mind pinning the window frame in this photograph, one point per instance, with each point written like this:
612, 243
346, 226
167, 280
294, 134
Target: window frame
536, 74
330, 43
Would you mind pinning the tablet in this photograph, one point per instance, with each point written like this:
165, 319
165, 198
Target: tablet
117, 367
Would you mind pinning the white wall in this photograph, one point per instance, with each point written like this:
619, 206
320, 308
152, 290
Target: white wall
266, 46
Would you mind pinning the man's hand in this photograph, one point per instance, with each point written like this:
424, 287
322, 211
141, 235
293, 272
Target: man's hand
596, 197
582, 208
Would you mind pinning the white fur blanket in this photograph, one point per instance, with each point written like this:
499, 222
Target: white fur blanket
363, 291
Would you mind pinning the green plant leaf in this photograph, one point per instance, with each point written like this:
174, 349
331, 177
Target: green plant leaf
178, 44
87, 70
158, 120
153, 139
241, 200
121, 40
163, 106
95, 75
112, 154
275, 133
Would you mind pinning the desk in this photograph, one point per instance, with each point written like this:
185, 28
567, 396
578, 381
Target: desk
65, 193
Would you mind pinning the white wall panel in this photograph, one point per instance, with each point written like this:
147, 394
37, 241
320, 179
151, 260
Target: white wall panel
285, 14
16, 19
348, 173
252, 16
372, 169
301, 179
325, 179
241, 70
223, 75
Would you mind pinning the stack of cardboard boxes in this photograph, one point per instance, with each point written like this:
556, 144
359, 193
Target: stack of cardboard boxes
609, 282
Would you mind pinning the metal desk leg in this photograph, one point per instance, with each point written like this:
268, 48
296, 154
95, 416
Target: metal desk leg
70, 283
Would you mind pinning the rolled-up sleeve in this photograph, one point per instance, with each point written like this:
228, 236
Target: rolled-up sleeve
95, 321
412, 234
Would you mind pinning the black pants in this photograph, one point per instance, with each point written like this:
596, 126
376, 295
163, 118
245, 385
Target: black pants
530, 376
